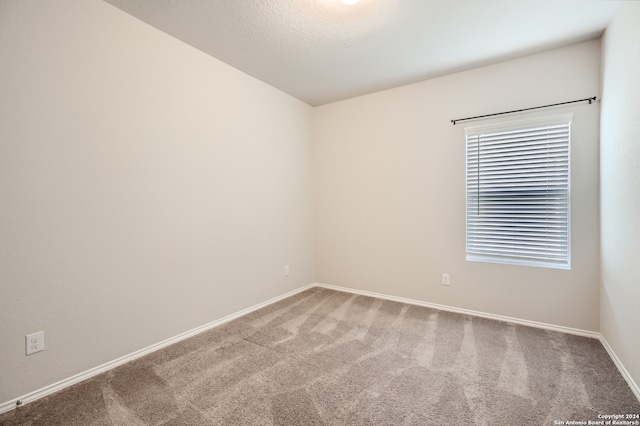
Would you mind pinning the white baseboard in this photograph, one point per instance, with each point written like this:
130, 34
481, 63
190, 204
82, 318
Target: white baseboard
632, 384
55, 387
552, 327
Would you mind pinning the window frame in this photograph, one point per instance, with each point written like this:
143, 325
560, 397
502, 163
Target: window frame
514, 125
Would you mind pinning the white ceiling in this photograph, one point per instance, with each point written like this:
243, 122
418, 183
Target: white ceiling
321, 51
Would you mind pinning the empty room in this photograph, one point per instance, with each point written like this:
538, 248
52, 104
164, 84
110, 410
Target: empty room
319, 212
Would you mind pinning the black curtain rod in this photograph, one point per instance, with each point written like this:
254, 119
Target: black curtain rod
592, 99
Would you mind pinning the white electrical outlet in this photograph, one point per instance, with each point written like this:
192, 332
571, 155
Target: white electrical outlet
286, 269
445, 279
35, 342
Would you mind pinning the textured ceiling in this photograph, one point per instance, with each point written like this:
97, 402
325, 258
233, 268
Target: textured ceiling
322, 51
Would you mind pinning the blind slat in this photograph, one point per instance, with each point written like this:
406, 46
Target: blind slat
518, 194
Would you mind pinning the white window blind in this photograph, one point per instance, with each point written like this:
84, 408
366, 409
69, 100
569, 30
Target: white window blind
518, 193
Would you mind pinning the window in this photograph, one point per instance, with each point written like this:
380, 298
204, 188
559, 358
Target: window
518, 193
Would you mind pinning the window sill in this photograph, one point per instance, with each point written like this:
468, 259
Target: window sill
518, 262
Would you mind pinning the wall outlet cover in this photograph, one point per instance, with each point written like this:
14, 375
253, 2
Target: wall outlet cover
34, 342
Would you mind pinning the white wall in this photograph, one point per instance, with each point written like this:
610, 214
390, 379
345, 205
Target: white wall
145, 189
390, 190
620, 183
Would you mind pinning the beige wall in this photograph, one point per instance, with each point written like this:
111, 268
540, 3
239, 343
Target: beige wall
390, 190
620, 183
146, 189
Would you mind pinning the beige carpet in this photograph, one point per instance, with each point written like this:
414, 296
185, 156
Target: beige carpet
324, 357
